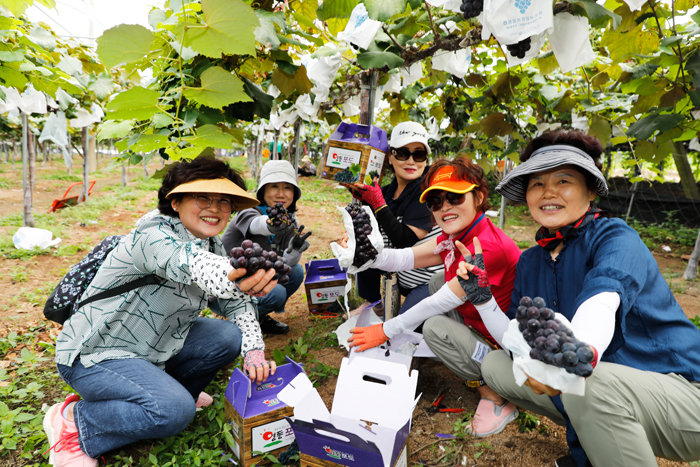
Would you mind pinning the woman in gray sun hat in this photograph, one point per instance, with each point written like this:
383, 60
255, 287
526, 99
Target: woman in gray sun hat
278, 184
642, 398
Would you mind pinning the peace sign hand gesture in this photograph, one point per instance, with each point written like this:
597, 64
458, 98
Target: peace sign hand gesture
471, 274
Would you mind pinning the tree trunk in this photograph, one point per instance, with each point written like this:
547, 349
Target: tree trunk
692, 268
123, 174
295, 143
92, 152
26, 175
685, 171
275, 154
86, 162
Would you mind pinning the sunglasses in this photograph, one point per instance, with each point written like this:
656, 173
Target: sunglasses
402, 154
435, 201
205, 202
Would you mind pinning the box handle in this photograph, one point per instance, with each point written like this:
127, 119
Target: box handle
377, 379
330, 434
326, 268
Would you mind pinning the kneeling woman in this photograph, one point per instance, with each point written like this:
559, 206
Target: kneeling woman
643, 398
457, 194
278, 184
140, 359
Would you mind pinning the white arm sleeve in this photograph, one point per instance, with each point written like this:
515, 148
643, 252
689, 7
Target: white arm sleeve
393, 260
594, 321
258, 226
210, 272
494, 319
440, 302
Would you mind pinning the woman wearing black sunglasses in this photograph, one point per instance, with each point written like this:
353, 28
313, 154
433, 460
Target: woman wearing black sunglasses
402, 218
457, 194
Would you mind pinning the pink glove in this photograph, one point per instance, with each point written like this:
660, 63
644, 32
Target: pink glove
367, 337
253, 358
370, 194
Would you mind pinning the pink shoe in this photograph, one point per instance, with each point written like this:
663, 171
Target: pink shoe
490, 419
63, 438
204, 400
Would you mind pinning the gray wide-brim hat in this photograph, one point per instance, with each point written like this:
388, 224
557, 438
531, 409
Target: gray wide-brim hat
514, 185
275, 172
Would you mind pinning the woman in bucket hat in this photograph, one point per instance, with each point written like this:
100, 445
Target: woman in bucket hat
456, 192
403, 220
140, 359
278, 184
643, 398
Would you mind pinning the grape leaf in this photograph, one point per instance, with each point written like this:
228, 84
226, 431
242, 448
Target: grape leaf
136, 103
369, 60
383, 10
110, 129
229, 29
219, 88
335, 9
123, 44
647, 126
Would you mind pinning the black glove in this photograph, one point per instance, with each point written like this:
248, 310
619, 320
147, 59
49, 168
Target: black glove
477, 287
299, 240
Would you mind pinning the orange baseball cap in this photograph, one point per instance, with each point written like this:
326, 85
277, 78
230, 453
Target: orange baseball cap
446, 179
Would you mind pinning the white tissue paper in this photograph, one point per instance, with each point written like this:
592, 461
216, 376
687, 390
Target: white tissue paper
28, 238
570, 41
524, 366
346, 255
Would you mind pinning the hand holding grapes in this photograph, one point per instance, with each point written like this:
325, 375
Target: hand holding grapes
278, 220
297, 245
259, 284
471, 274
540, 388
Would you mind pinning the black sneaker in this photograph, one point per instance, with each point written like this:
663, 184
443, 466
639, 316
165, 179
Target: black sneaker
568, 461
272, 326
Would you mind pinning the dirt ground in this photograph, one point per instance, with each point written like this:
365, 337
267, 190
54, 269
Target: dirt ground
541, 446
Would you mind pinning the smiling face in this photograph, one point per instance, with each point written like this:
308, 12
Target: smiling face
202, 223
408, 170
454, 219
279, 192
558, 197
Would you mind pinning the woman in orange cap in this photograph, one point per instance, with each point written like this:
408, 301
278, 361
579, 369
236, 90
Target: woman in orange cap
457, 194
141, 359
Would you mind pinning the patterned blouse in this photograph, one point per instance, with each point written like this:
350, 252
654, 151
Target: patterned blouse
152, 322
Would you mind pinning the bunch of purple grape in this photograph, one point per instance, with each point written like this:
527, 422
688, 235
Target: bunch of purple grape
278, 215
346, 176
551, 342
519, 49
252, 257
471, 8
364, 251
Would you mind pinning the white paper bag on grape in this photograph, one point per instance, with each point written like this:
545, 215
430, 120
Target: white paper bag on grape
524, 365
512, 21
346, 255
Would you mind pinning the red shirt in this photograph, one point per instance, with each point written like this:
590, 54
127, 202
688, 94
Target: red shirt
500, 257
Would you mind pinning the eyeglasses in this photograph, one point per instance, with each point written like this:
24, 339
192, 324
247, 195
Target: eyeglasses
205, 202
402, 154
435, 201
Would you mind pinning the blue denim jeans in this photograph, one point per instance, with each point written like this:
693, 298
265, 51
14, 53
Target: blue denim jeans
277, 298
128, 400
413, 297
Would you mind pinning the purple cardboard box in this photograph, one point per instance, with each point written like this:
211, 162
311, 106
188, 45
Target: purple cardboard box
325, 282
257, 416
369, 421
